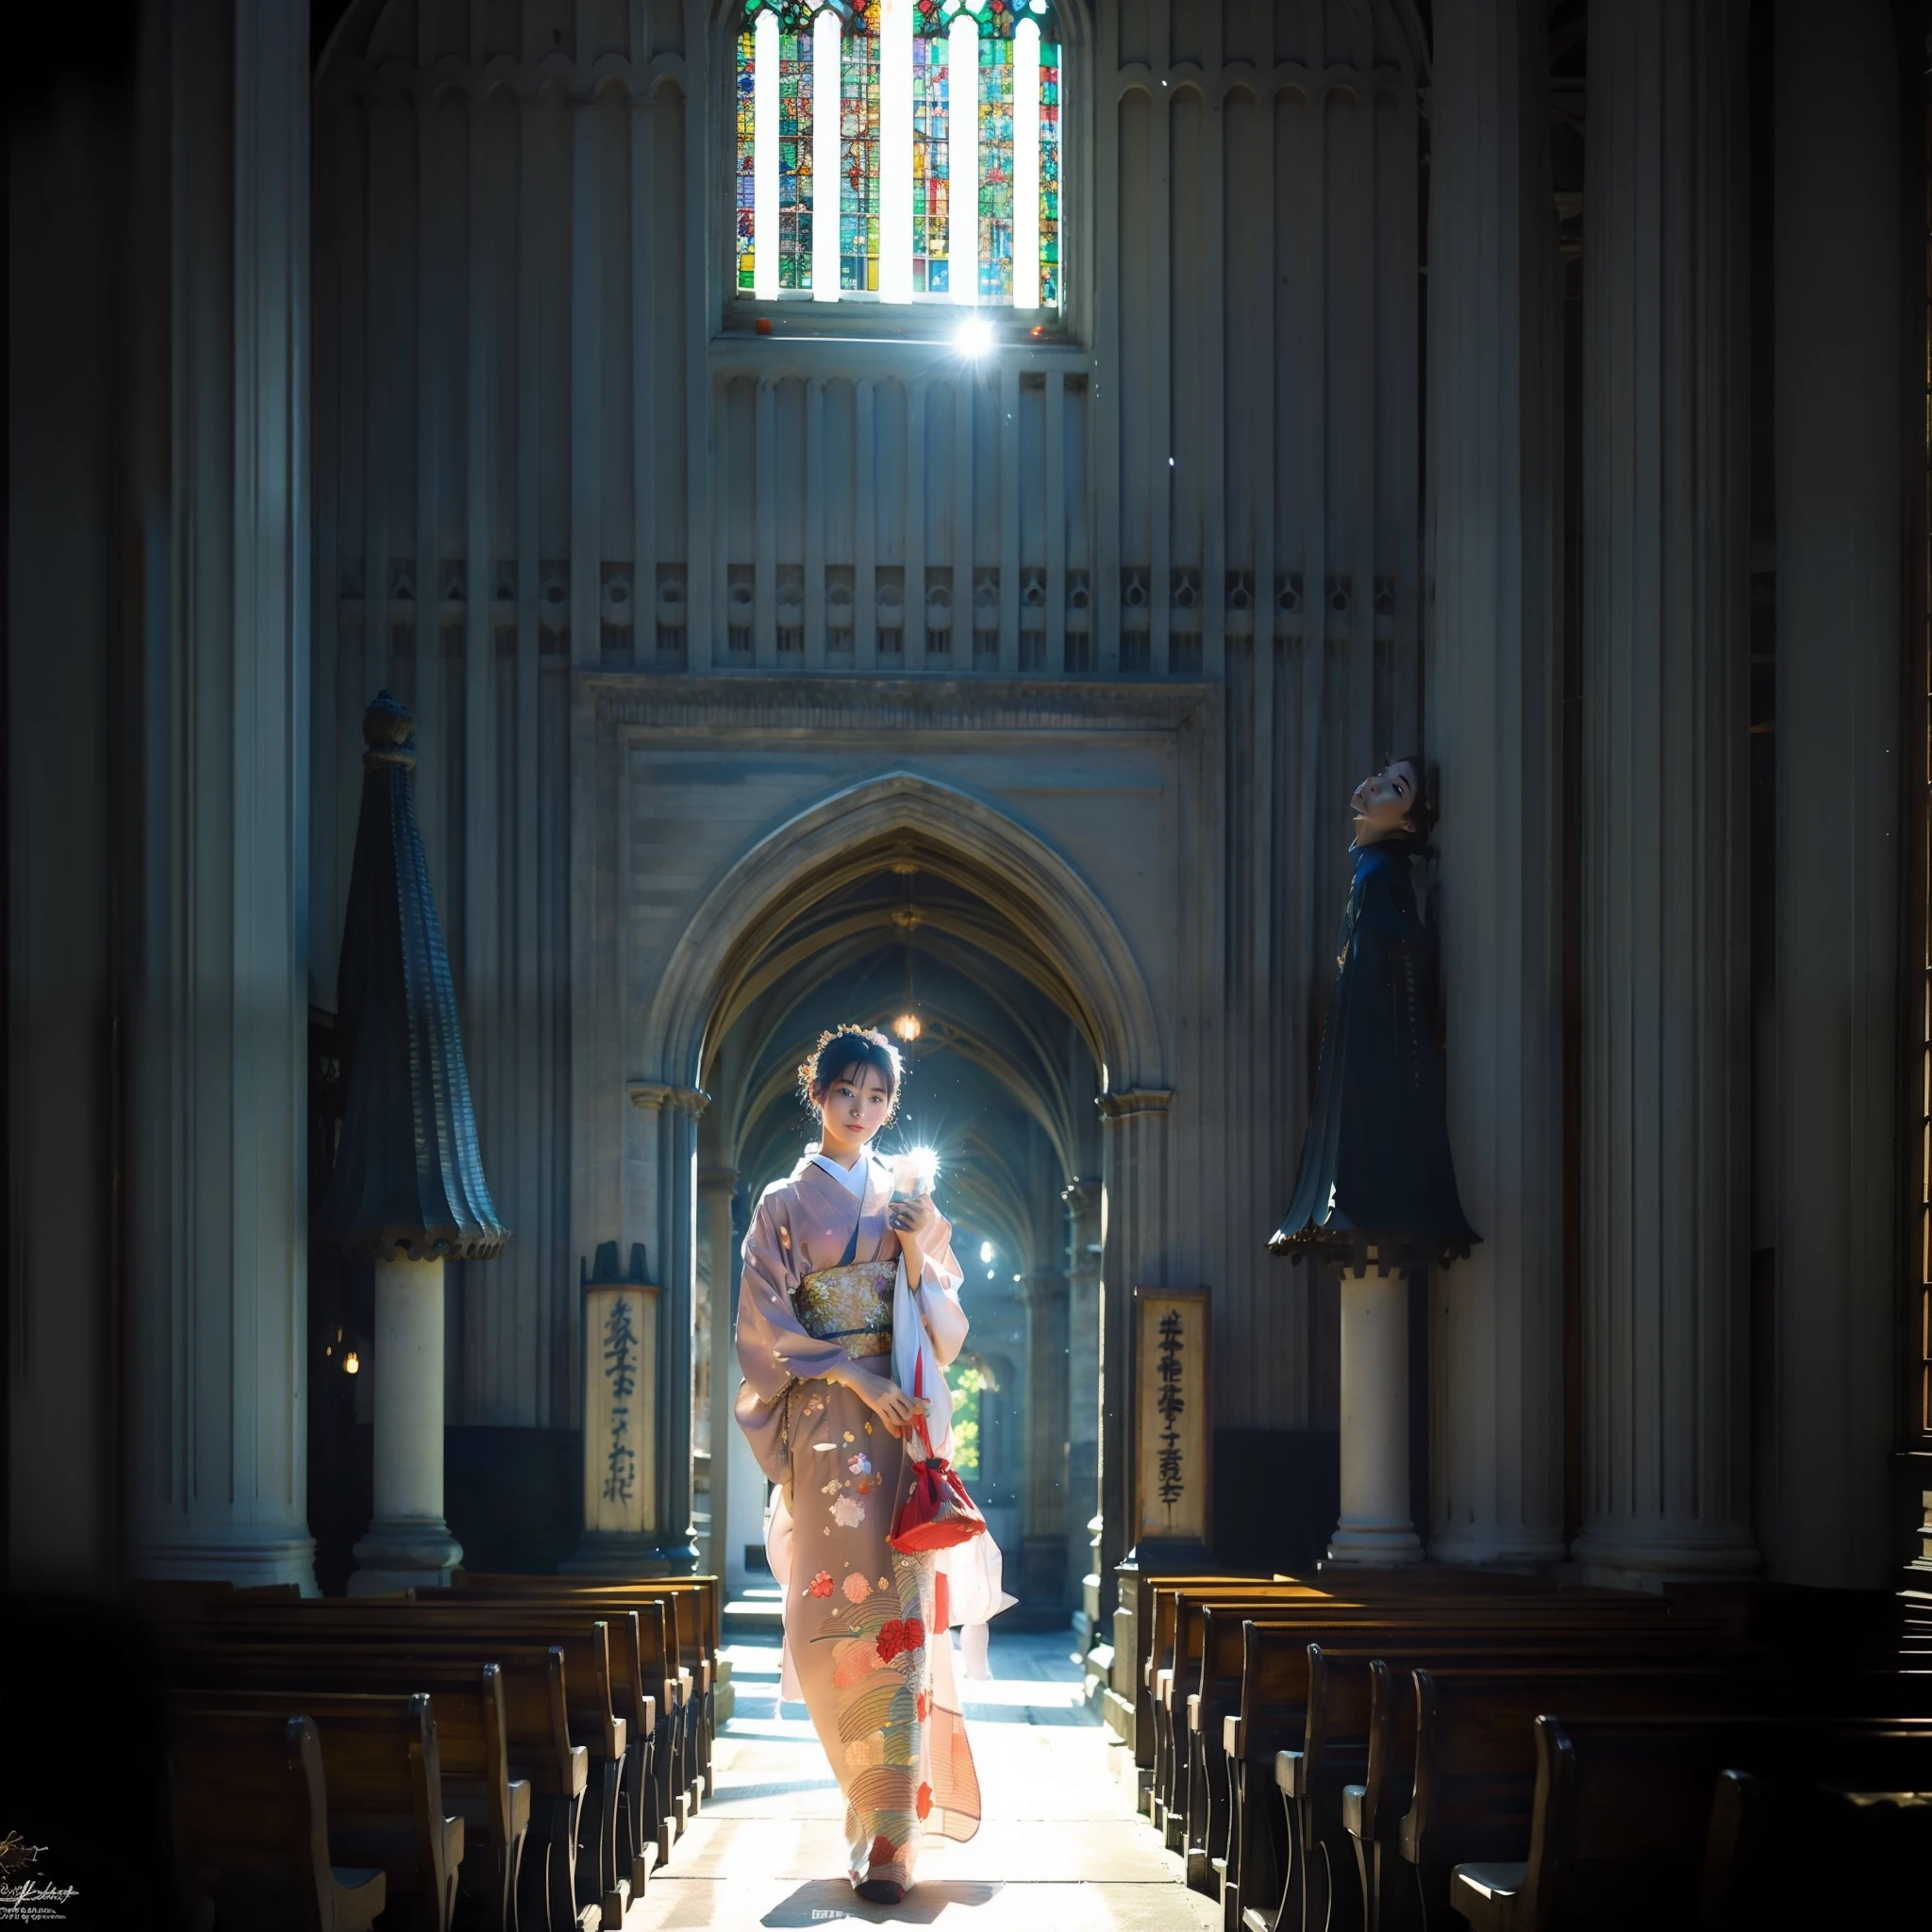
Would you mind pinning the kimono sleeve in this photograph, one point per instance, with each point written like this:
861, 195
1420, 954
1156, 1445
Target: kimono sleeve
772, 1347
939, 1295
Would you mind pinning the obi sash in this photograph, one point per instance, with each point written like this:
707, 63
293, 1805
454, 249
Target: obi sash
852, 1304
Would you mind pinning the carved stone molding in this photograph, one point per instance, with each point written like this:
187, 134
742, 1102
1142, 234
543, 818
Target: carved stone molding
655, 1096
1133, 1102
674, 701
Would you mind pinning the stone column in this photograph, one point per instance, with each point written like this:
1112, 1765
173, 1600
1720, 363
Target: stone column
1495, 488
1133, 1220
671, 1114
218, 1350
1666, 1005
716, 1186
1083, 1393
408, 1544
1375, 1529
1043, 1291
1839, 406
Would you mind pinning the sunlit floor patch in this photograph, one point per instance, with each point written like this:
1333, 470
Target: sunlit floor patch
1060, 1850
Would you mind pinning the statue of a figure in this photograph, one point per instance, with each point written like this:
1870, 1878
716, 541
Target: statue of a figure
1377, 1188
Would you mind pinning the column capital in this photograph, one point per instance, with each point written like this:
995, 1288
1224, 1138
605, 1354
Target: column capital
1131, 1103
717, 1180
655, 1096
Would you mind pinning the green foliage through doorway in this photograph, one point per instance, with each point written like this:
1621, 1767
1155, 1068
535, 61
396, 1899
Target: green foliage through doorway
965, 1381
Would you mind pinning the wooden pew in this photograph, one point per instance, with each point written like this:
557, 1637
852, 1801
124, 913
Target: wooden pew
384, 1778
1133, 1631
1620, 1827
1471, 1760
471, 1748
1275, 1739
250, 1806
535, 1718
1136, 1619
1175, 1675
645, 1675
1793, 1852
1474, 1758
1198, 1689
669, 1624
1172, 1659
591, 1700
1174, 1653
697, 1606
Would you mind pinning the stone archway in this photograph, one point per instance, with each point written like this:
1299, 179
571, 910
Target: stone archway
1058, 934
736, 916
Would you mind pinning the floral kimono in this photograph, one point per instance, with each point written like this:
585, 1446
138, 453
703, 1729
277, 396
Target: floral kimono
863, 1626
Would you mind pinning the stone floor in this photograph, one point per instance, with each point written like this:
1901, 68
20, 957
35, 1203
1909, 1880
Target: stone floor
1060, 1850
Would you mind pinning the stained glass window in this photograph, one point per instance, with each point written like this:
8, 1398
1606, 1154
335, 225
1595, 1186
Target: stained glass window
747, 132
1049, 175
996, 166
858, 150
941, 120
794, 155
930, 175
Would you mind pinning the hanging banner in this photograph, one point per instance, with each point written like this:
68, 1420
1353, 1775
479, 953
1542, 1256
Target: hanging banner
1172, 1486
620, 1385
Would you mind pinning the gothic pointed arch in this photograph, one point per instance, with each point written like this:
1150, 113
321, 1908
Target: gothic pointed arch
955, 832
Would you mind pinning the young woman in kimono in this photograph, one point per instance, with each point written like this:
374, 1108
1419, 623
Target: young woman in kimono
827, 1407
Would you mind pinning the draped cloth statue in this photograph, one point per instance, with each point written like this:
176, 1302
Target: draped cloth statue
1376, 1186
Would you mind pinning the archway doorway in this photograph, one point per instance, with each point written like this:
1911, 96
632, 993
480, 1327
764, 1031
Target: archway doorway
902, 929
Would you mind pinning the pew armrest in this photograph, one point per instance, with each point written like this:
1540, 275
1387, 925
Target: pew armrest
1193, 1710
452, 1843
579, 1771
1288, 1771
1486, 1895
360, 1893
519, 1807
1354, 1797
1231, 1734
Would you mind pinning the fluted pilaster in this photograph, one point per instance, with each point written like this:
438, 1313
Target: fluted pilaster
1133, 1224
1665, 588
1840, 403
667, 1117
1495, 398
716, 1187
1083, 1382
1044, 1292
218, 1264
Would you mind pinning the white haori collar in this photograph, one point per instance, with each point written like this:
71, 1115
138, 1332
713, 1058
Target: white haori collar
854, 1179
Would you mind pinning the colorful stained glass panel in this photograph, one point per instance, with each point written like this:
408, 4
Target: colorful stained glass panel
858, 151
1049, 175
981, 231
996, 165
747, 133
931, 183
794, 156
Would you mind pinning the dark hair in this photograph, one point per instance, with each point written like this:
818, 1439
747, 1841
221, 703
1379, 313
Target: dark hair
848, 1050
1421, 802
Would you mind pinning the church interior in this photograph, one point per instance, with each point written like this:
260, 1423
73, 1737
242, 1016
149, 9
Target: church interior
557, 549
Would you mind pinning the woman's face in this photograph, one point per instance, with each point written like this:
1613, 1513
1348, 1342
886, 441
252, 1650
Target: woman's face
1383, 802
854, 1108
